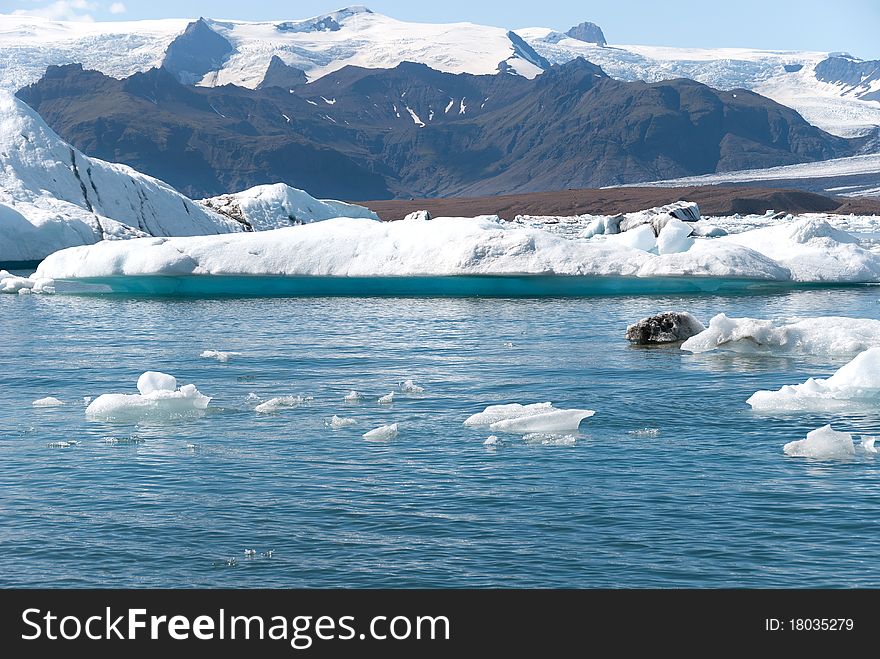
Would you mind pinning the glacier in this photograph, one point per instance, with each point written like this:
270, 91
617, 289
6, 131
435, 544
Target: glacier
360, 37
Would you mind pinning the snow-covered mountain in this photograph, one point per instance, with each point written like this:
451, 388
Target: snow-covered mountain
834, 91
266, 207
821, 86
52, 196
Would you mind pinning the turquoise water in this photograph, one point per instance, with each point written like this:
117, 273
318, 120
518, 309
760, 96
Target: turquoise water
709, 501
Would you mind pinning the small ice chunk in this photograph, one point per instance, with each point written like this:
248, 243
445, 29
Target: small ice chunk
491, 440
410, 387
495, 413
382, 433
61, 444
387, 399
823, 443
353, 396
547, 422
155, 399
155, 381
337, 422
250, 552
48, 401
868, 444
675, 237
281, 403
219, 355
549, 439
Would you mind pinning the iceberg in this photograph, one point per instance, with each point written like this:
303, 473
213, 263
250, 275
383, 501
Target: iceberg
812, 250
266, 207
337, 422
853, 385
281, 403
547, 422
523, 419
353, 397
387, 399
49, 401
382, 433
52, 196
159, 397
219, 355
674, 237
823, 443
495, 413
831, 335
410, 387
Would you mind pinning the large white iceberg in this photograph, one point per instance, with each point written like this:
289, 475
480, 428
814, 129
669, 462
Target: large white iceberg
52, 196
831, 335
822, 443
159, 397
349, 247
855, 385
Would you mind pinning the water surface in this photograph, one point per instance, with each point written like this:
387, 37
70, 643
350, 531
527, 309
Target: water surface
709, 501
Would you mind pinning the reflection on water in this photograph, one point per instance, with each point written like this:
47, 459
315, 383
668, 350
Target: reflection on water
674, 482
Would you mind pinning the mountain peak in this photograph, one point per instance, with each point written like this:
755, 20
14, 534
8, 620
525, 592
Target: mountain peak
588, 32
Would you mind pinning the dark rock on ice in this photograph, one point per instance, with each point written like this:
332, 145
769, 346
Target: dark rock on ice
589, 32
668, 327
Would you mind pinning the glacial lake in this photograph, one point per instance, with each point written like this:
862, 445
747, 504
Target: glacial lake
674, 481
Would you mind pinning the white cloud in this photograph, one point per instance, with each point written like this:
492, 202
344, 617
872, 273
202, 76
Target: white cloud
63, 10
118, 8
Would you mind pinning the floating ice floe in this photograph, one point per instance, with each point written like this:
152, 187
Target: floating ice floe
337, 422
387, 399
410, 387
549, 439
537, 417
382, 433
353, 396
495, 413
282, 403
822, 443
853, 385
491, 440
219, 355
62, 444
832, 335
10, 283
158, 397
48, 401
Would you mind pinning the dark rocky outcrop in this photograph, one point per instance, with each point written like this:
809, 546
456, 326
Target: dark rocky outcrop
196, 52
412, 131
589, 32
856, 74
668, 327
282, 75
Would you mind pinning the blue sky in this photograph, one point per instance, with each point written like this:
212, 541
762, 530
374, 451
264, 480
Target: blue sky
845, 25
